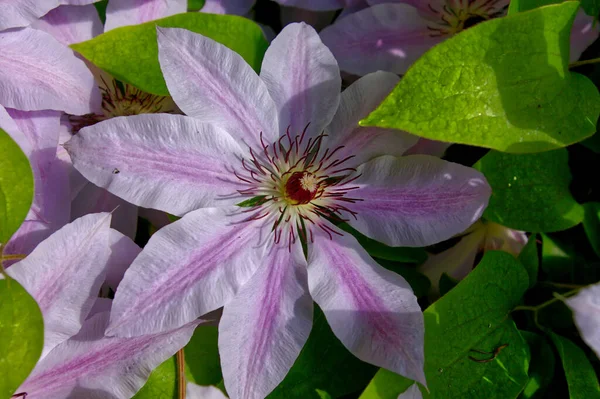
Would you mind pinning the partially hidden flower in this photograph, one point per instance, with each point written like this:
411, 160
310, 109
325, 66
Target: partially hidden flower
459, 260
287, 144
392, 34
586, 312
412, 392
194, 391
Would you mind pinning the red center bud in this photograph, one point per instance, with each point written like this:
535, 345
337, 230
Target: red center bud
301, 188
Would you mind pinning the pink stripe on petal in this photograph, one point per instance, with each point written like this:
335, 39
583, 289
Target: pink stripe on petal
188, 268
373, 311
266, 325
132, 12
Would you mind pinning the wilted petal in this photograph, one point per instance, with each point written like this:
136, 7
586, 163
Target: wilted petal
266, 325
387, 37
231, 7
93, 199
364, 144
132, 12
212, 83
64, 274
372, 310
585, 32
200, 392
303, 79
122, 253
188, 268
416, 200
90, 365
586, 312
71, 24
37, 72
168, 162
411, 393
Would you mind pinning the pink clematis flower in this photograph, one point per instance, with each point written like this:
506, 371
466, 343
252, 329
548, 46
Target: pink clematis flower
392, 34
290, 142
231, 7
586, 312
19, 13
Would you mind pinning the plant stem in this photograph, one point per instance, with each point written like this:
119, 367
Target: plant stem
584, 62
181, 388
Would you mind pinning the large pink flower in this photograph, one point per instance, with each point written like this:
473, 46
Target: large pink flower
288, 140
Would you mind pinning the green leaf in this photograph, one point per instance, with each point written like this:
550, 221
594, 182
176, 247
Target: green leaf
530, 192
503, 84
130, 53
325, 364
22, 332
16, 187
254, 201
591, 224
593, 143
419, 283
101, 8
379, 250
162, 383
323, 394
541, 370
530, 260
446, 283
473, 315
195, 5
516, 6
202, 363
558, 260
591, 7
581, 377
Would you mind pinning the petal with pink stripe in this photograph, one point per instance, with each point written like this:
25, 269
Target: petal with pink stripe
372, 310
266, 325
132, 12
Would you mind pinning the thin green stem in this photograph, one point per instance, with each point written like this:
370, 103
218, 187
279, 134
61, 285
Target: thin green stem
584, 62
537, 308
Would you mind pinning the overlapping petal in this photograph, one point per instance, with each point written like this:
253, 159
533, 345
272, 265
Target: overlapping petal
122, 253
188, 268
37, 73
71, 24
266, 325
90, 365
317, 5
303, 79
167, 162
372, 310
64, 274
203, 392
586, 312
584, 32
411, 393
231, 7
132, 12
416, 200
214, 84
387, 37
364, 144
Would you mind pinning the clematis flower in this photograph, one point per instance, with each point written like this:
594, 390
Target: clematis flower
203, 392
19, 13
412, 392
392, 34
459, 260
231, 7
287, 141
586, 310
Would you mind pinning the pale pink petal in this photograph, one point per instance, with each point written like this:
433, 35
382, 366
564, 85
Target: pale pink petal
210, 82
387, 37
168, 162
90, 365
77, 2
364, 144
585, 32
456, 262
231, 7
37, 72
372, 310
71, 24
188, 268
122, 253
303, 79
93, 199
133, 12
64, 274
18, 13
266, 325
428, 147
203, 392
411, 393
586, 312
416, 200
100, 305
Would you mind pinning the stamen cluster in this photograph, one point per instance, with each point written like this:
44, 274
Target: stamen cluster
457, 15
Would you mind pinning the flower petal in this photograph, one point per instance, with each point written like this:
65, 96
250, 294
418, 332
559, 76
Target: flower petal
314, 5
122, 253
188, 268
231, 7
387, 37
586, 312
90, 365
168, 162
266, 325
583, 34
416, 200
210, 82
132, 12
17, 13
428, 147
364, 144
71, 24
412, 392
372, 310
203, 392
64, 274
37, 72
303, 78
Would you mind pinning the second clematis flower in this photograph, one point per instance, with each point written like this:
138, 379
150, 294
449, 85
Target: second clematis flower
288, 142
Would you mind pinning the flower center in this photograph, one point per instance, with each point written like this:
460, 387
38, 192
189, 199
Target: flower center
457, 15
301, 188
